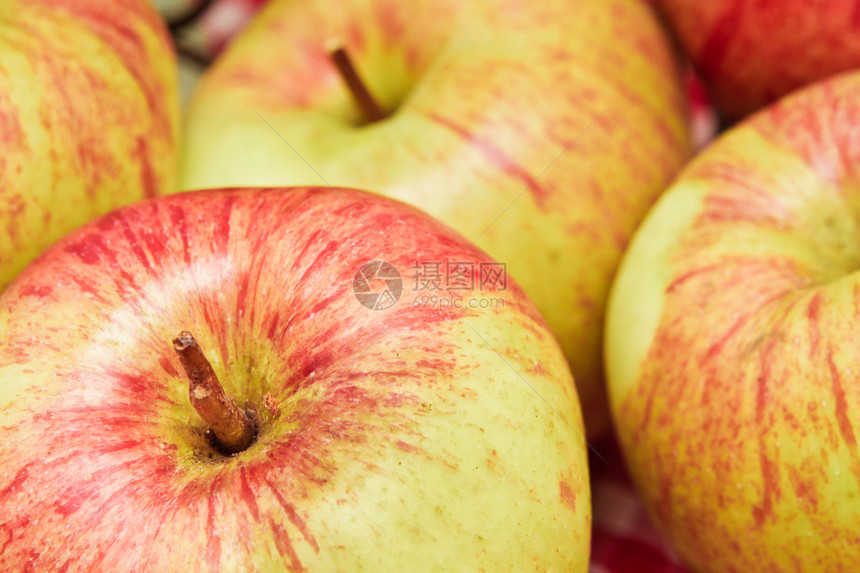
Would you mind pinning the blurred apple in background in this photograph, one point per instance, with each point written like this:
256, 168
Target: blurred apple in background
413, 438
541, 130
732, 343
751, 53
88, 115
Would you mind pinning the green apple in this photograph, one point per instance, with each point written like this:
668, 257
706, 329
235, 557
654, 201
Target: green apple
541, 130
732, 344
88, 117
417, 437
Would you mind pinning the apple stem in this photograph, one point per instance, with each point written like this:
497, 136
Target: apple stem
366, 103
233, 429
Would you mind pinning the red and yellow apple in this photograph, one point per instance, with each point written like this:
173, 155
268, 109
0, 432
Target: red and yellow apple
88, 117
543, 131
420, 437
751, 53
732, 341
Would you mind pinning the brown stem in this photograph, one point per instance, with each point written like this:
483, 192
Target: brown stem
366, 103
234, 430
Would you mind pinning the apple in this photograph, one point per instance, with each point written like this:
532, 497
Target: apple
751, 53
540, 130
732, 343
419, 436
88, 116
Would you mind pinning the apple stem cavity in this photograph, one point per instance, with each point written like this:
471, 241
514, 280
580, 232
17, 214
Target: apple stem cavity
231, 430
370, 109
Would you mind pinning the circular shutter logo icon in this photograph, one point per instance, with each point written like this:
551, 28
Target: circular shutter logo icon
377, 273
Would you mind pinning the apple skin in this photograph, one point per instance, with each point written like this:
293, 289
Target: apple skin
394, 440
751, 53
731, 347
88, 116
542, 131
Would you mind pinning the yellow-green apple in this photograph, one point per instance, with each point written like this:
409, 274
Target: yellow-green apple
88, 117
731, 346
421, 437
541, 130
751, 53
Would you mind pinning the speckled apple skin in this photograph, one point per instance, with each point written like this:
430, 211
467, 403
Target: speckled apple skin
732, 340
88, 117
408, 439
